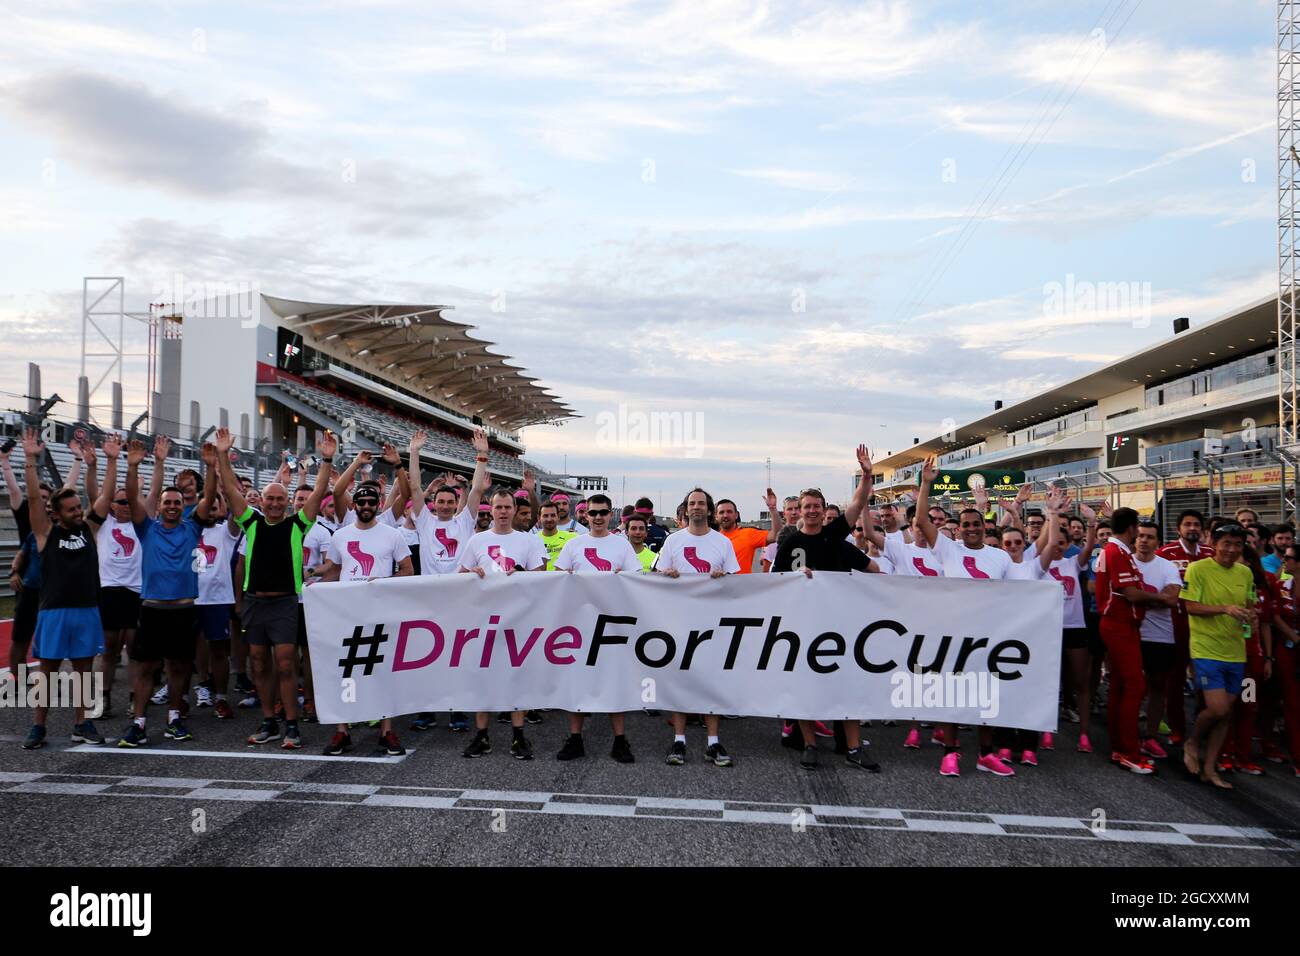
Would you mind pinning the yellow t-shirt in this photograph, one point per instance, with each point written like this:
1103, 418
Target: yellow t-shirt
553, 544
1217, 637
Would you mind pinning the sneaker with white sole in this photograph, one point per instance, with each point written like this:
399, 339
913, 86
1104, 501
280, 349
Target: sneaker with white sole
202, 696
160, 696
992, 763
950, 766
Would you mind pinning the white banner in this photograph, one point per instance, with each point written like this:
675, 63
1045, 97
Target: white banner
836, 646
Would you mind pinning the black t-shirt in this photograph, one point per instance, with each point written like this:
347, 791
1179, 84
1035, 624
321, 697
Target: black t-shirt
825, 551
24, 520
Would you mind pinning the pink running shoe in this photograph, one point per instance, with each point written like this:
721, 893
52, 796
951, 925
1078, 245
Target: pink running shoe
1046, 742
1029, 758
1151, 747
990, 763
950, 766
913, 741
1085, 745
821, 730
937, 737
1005, 755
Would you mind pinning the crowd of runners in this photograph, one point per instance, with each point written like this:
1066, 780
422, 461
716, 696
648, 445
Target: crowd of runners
1187, 644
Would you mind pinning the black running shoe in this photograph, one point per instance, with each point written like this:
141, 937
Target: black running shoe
718, 755
676, 754
622, 752
479, 746
503, 717
268, 731
520, 749
533, 717
861, 758
572, 748
809, 759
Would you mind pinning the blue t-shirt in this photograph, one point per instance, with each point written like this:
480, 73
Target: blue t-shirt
167, 565
32, 569
1272, 563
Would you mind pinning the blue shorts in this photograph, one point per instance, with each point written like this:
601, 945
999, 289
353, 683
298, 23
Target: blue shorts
214, 621
67, 633
1219, 675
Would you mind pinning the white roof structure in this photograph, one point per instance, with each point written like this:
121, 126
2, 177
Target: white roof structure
421, 349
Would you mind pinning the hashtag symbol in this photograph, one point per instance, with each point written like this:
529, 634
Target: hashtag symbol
354, 642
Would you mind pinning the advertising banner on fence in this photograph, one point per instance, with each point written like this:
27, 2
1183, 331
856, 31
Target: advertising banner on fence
828, 647
996, 483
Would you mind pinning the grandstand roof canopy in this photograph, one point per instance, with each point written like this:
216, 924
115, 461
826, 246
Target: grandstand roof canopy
1239, 332
424, 351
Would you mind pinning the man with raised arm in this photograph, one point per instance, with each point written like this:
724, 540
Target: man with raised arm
168, 589
67, 627
820, 545
272, 581
120, 558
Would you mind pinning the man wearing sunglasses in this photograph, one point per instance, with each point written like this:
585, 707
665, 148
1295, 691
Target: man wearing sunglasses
597, 551
119, 563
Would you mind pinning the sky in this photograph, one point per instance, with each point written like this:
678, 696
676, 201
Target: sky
723, 232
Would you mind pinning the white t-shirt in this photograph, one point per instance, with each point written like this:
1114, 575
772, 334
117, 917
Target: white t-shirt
364, 553
1029, 569
1157, 574
514, 550
769, 553
910, 560
697, 553
959, 561
216, 583
315, 549
885, 564
1066, 570
586, 552
441, 542
119, 554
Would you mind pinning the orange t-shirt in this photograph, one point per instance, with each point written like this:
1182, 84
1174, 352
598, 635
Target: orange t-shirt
745, 541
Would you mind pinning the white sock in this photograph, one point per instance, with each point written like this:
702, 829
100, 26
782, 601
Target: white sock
712, 740
139, 722
173, 715
679, 739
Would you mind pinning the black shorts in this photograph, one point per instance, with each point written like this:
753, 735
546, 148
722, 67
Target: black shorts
1074, 638
1158, 658
271, 621
25, 609
166, 633
302, 627
119, 608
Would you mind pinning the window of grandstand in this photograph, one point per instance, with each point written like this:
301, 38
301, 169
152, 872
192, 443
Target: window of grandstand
1248, 368
1190, 452
1075, 421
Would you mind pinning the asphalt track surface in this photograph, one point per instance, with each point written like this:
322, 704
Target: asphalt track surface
217, 801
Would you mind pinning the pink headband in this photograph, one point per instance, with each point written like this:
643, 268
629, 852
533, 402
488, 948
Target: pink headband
560, 497
521, 494
644, 511
484, 509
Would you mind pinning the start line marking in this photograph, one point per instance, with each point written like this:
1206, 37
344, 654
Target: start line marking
276, 754
1209, 836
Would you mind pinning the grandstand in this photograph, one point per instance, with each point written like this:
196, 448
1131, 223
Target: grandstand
1190, 421
277, 372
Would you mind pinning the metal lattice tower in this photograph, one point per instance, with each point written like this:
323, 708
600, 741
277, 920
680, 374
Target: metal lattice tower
1288, 225
103, 304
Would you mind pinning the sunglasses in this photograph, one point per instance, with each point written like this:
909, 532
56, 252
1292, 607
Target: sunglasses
122, 502
597, 512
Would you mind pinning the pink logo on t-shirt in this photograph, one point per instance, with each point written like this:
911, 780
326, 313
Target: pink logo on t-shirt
596, 561
502, 561
366, 561
1067, 583
125, 545
448, 543
695, 561
972, 568
923, 568
209, 552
